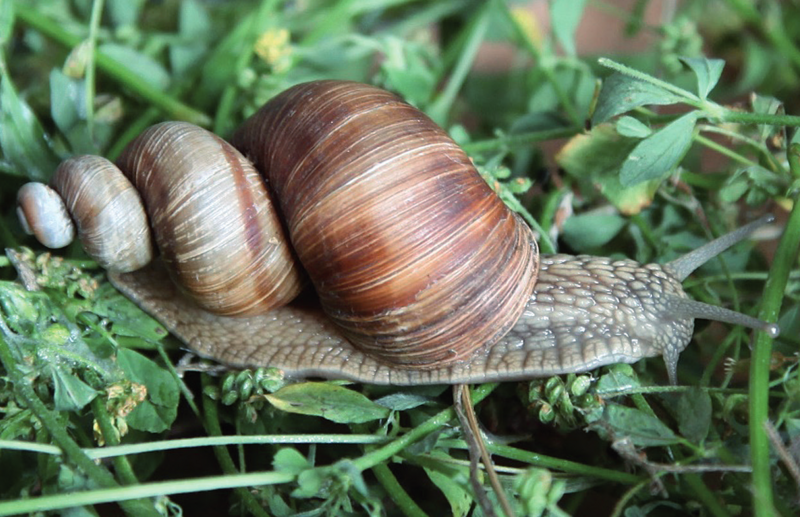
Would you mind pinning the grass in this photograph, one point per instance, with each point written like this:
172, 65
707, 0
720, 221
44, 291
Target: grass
644, 155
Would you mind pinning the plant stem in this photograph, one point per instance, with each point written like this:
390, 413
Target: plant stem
187, 393
89, 90
548, 462
721, 149
121, 464
205, 441
395, 490
760, 118
623, 501
211, 422
385, 452
785, 258
757, 146
744, 275
705, 495
520, 139
58, 431
127, 78
474, 35
133, 129
123, 495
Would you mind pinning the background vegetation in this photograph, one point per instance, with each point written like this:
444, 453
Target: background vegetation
672, 150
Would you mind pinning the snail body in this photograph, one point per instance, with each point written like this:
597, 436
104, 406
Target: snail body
422, 274
554, 335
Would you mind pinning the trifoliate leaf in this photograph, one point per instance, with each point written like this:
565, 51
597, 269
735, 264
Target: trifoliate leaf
660, 153
707, 71
621, 93
329, 401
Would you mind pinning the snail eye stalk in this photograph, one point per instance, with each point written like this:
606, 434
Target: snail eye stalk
686, 265
684, 308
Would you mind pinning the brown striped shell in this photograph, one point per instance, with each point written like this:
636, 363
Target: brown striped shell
215, 226
96, 194
411, 253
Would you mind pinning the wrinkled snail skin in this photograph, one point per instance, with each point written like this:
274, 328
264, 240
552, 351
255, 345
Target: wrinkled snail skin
411, 287
572, 323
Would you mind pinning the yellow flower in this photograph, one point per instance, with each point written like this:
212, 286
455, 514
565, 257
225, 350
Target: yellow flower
274, 48
529, 25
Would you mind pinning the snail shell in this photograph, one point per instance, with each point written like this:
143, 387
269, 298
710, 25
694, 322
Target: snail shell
423, 275
42, 213
96, 195
215, 226
411, 253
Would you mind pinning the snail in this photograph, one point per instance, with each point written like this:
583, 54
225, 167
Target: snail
421, 273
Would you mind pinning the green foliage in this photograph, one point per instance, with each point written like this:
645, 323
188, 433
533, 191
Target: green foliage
25, 150
622, 93
646, 155
708, 72
329, 401
659, 154
566, 15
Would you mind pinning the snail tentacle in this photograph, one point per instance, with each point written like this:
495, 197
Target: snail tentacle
684, 266
682, 307
687, 308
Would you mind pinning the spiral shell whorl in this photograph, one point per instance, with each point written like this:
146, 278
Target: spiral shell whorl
42, 213
216, 229
410, 251
112, 224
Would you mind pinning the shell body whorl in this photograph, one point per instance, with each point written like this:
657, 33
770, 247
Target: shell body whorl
411, 253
